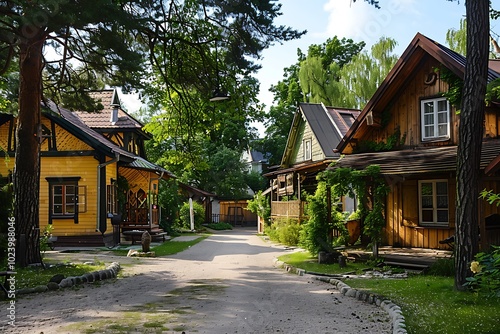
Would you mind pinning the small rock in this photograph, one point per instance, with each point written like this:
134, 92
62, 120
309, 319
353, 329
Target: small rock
53, 286
57, 278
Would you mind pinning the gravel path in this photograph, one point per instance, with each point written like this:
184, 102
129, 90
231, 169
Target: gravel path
225, 284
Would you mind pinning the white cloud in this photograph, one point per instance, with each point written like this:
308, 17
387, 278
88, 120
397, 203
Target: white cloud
362, 21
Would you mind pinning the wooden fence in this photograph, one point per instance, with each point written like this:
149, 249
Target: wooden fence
288, 209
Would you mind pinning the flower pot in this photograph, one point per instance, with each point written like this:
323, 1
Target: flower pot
354, 228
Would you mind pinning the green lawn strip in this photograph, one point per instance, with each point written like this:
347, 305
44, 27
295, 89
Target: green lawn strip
429, 303
304, 260
31, 277
174, 247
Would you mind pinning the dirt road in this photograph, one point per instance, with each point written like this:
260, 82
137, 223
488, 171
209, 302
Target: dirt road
225, 284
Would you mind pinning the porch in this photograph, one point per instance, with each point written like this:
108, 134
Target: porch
288, 209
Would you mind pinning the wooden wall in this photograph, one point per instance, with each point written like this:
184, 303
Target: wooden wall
248, 216
402, 229
304, 134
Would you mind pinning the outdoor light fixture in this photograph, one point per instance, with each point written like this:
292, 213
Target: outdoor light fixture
218, 95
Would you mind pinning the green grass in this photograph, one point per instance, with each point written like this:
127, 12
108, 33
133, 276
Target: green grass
309, 263
168, 247
430, 303
31, 277
219, 226
174, 247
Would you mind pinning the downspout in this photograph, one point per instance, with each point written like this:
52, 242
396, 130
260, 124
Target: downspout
150, 206
100, 228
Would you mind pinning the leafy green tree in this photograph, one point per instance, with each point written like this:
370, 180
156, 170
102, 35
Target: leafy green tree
457, 39
360, 78
319, 73
121, 43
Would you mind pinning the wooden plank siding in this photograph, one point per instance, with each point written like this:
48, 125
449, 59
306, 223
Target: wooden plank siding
306, 133
86, 169
247, 216
402, 217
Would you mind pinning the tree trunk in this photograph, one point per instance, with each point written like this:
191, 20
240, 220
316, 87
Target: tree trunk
470, 138
27, 165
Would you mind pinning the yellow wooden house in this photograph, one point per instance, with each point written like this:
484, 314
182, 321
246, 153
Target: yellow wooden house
409, 109
83, 158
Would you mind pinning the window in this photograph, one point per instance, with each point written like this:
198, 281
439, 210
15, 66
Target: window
64, 198
307, 149
111, 205
433, 202
435, 119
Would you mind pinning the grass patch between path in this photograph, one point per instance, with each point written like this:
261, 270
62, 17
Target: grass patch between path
30, 277
304, 260
429, 303
168, 247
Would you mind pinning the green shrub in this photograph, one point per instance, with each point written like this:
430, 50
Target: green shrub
219, 226
285, 231
486, 269
199, 216
289, 232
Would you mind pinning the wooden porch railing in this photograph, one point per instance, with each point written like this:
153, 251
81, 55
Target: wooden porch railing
288, 209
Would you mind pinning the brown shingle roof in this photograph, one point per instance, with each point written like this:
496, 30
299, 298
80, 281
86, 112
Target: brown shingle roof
101, 119
417, 161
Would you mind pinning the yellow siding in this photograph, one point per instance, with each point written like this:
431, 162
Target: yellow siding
4, 135
65, 141
86, 169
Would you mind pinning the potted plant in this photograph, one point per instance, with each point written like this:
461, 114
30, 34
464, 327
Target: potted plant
353, 225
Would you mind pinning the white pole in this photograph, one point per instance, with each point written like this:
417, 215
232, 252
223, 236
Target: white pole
191, 213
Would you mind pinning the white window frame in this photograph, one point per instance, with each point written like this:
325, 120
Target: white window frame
307, 149
435, 209
435, 124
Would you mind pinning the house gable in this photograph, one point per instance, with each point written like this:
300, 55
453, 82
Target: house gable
316, 130
397, 103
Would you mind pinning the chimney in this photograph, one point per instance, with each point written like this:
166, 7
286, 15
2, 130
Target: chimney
114, 114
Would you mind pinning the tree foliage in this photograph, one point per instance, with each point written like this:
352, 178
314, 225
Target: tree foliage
120, 43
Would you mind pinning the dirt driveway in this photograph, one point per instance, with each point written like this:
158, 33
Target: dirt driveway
225, 284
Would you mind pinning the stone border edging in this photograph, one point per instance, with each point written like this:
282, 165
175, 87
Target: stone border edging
111, 271
394, 311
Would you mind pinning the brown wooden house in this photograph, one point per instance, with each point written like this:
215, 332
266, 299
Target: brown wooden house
84, 156
410, 111
315, 132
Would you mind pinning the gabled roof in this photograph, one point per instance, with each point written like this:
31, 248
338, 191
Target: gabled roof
102, 119
72, 122
328, 124
420, 47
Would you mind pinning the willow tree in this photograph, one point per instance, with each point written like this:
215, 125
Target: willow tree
120, 43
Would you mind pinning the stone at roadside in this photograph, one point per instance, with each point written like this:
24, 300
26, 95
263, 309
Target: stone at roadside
57, 278
53, 286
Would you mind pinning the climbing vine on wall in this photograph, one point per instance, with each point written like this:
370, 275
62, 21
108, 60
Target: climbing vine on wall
370, 188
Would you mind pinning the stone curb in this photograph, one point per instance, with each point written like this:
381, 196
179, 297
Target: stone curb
111, 271
394, 311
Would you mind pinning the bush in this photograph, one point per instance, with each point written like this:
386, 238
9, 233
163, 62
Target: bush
285, 231
185, 220
486, 269
219, 226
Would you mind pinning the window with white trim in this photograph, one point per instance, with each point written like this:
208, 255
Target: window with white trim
307, 149
433, 202
435, 115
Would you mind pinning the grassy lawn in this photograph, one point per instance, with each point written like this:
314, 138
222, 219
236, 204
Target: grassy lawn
30, 277
429, 303
169, 247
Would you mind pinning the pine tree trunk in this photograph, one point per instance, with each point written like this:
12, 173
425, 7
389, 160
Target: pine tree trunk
27, 166
470, 138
